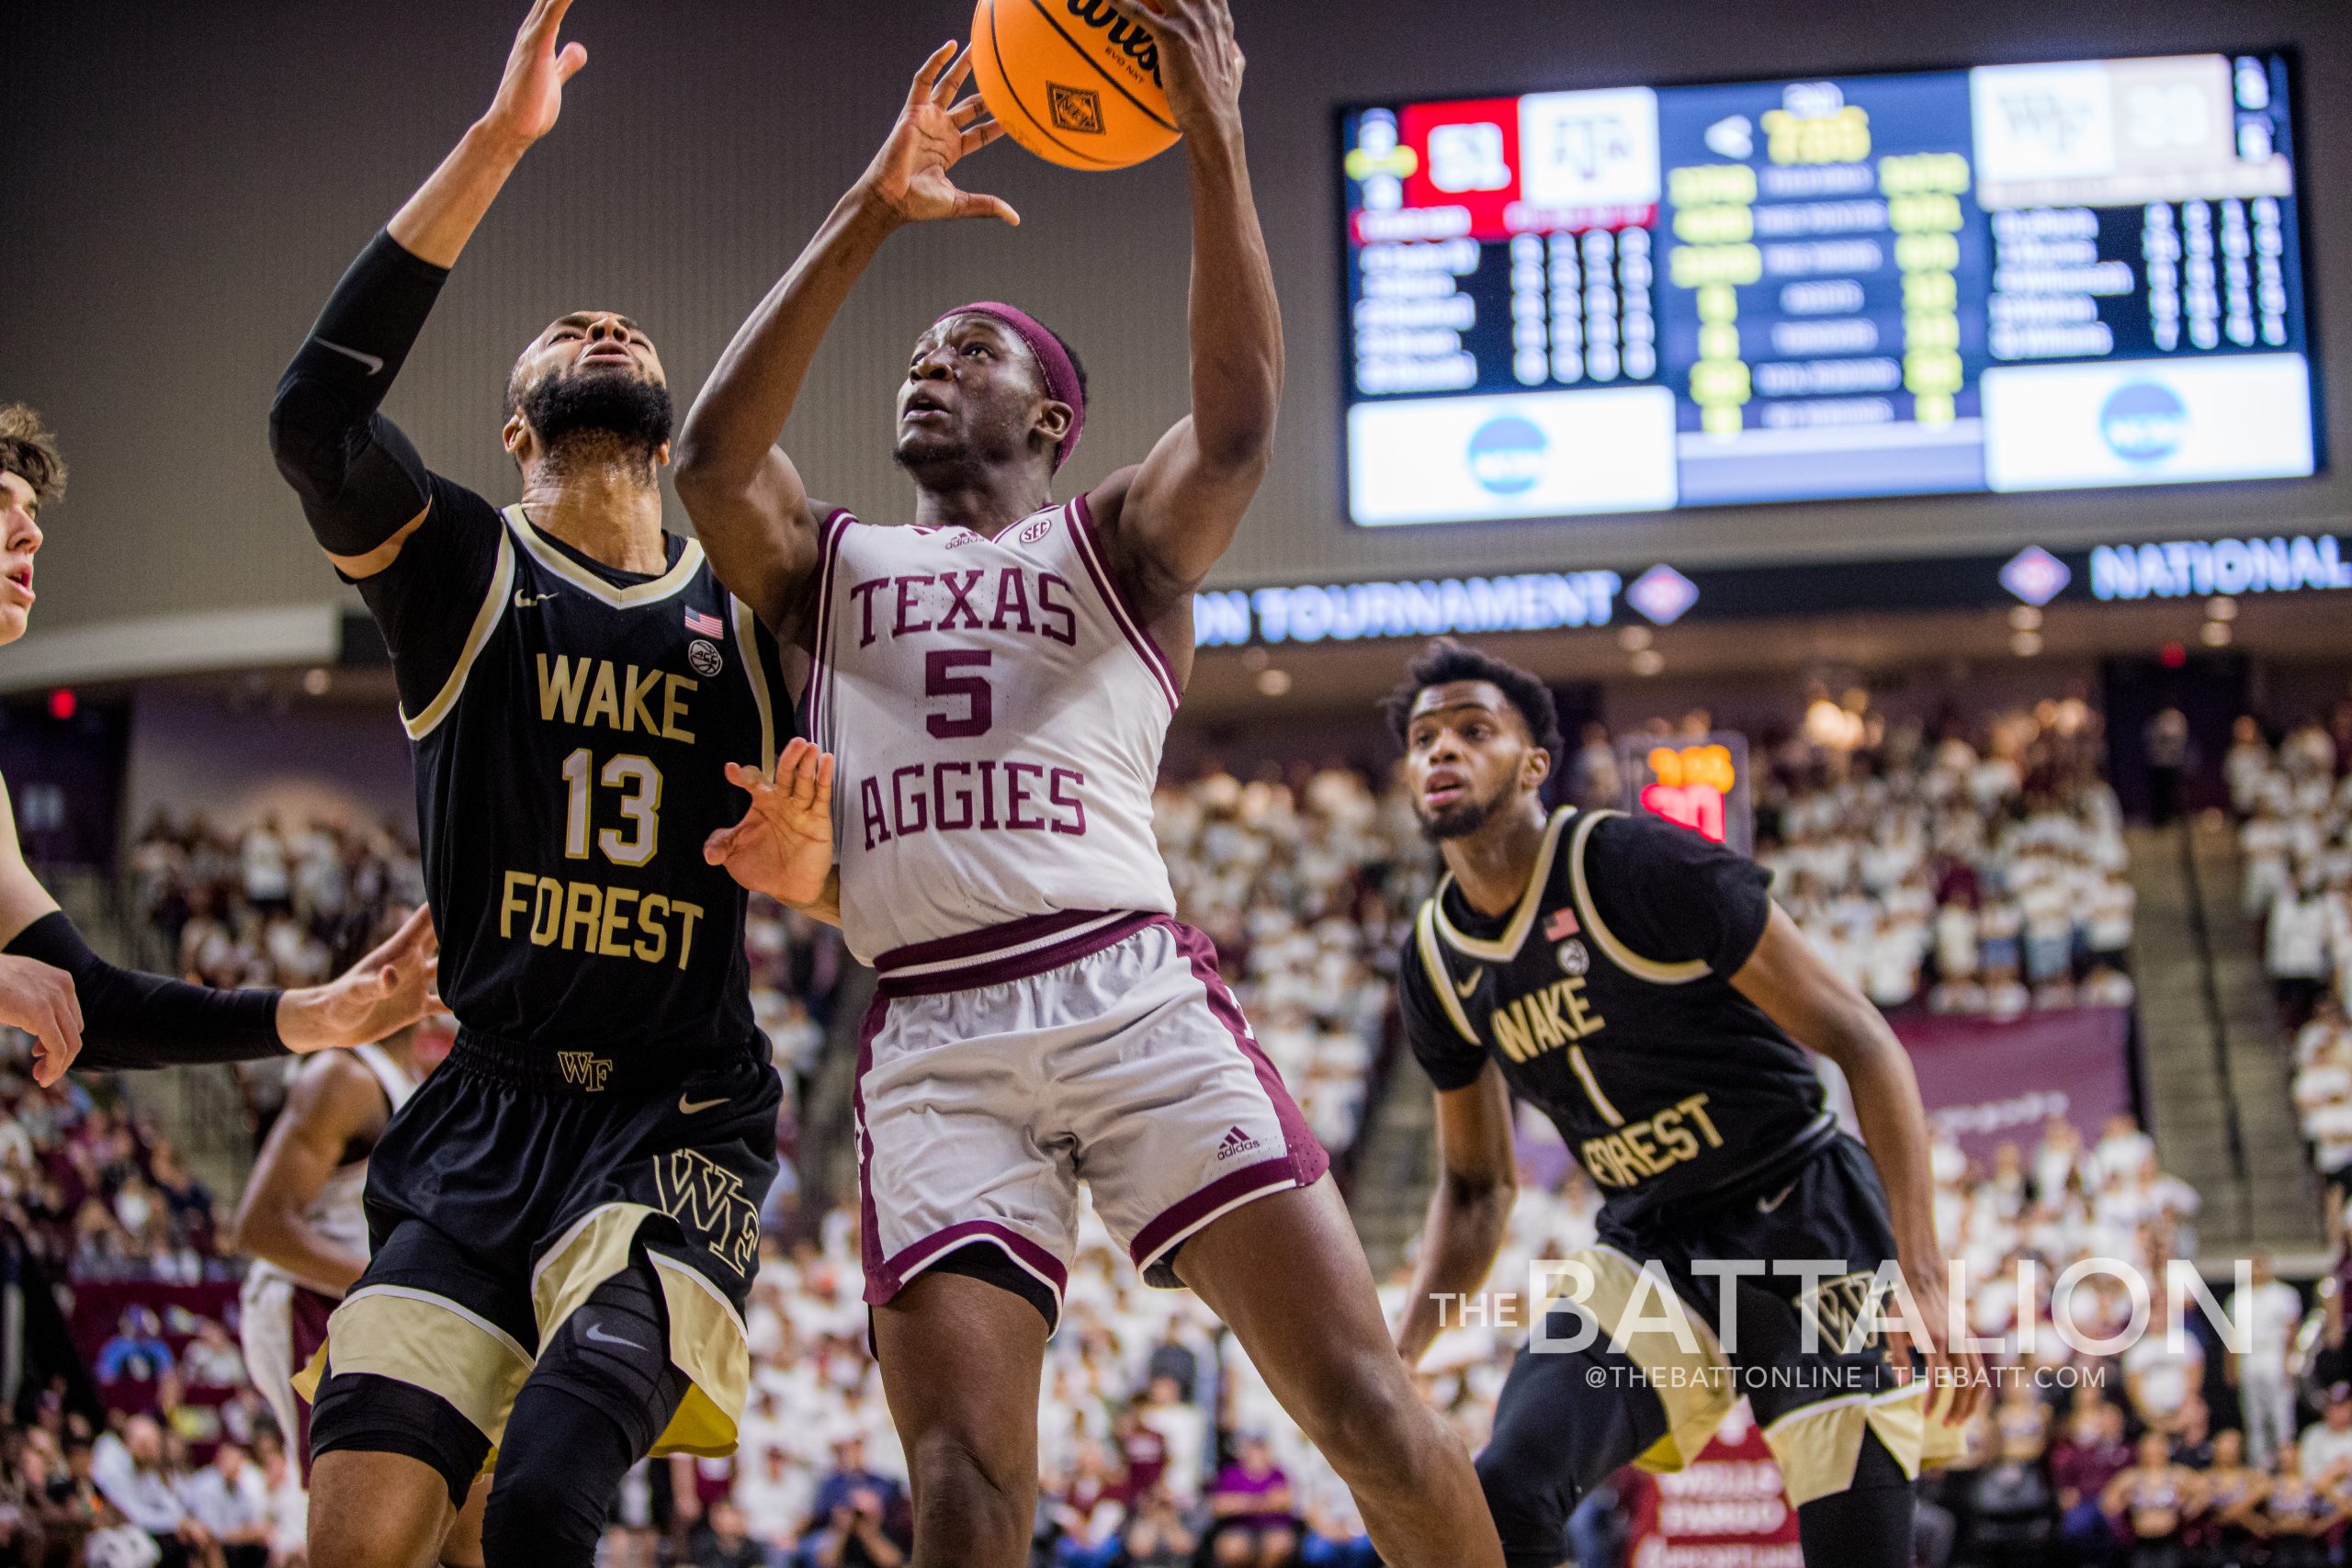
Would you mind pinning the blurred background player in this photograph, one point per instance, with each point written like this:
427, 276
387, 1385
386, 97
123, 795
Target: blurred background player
79, 1009
566, 1216
1634, 981
1010, 667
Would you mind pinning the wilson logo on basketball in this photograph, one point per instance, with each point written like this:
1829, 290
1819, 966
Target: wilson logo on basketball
1128, 38
1075, 109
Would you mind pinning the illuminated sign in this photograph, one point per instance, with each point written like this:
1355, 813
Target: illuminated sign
1528, 602
2196, 567
1699, 784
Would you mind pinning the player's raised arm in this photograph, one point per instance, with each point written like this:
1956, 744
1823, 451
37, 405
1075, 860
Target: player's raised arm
1169, 521
363, 486
1798, 991
746, 501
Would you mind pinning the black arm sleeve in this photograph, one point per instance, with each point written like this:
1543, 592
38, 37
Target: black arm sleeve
361, 481
1450, 1061
359, 478
131, 1020
1672, 895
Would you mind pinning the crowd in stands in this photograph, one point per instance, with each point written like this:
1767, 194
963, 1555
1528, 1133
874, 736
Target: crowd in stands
2293, 804
1974, 871
1307, 885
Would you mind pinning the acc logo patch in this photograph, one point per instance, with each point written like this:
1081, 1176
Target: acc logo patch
705, 657
1039, 529
1574, 959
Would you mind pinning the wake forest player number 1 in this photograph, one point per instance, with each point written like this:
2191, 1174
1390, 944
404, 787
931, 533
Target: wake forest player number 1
564, 1218
1632, 981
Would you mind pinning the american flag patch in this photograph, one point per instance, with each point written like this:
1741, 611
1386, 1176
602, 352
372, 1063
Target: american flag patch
705, 625
1562, 924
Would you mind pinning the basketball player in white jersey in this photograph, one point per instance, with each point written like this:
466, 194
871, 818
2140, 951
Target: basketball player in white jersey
302, 1220
994, 683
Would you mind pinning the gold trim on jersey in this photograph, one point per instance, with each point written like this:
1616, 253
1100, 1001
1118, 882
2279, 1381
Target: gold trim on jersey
595, 587
430, 1342
747, 629
1530, 903
1625, 958
486, 620
1441, 981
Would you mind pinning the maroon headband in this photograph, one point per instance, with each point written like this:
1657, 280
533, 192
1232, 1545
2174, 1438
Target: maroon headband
1060, 371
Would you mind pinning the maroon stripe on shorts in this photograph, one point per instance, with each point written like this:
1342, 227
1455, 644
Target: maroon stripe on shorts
307, 1312
987, 971
911, 1260
869, 1240
1279, 1171
1304, 1161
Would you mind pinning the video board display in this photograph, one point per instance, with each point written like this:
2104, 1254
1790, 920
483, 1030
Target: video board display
2015, 278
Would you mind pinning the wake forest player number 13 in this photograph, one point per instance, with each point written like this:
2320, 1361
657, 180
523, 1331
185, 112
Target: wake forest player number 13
564, 1218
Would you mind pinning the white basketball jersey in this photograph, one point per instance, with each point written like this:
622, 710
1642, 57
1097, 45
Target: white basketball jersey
338, 1214
996, 715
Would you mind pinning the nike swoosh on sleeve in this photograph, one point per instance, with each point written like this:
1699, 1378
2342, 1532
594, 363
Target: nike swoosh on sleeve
375, 366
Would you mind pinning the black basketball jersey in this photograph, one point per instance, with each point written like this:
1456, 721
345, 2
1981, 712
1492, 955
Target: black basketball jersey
1666, 1081
567, 774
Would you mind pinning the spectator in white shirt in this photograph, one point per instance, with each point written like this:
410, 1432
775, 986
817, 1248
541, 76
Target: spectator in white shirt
2265, 1316
2326, 1445
232, 1501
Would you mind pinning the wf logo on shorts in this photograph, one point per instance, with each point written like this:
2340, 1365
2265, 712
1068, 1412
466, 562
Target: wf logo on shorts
707, 1201
583, 1069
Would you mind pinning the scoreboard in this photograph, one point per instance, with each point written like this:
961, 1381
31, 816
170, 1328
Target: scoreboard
2015, 278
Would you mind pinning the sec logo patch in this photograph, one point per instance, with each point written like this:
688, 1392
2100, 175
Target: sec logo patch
1039, 529
1574, 959
706, 658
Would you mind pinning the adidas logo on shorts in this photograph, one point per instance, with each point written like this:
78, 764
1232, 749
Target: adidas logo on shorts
1236, 1142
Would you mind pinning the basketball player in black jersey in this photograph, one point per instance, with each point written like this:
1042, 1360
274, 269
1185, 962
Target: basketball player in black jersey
1634, 981
564, 1218
83, 1011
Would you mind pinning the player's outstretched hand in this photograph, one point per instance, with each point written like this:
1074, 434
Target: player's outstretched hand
1200, 61
909, 177
530, 95
784, 845
1956, 1384
381, 994
39, 998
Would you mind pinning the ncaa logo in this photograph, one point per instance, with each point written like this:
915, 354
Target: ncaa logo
1574, 959
1507, 455
705, 658
1039, 529
2144, 421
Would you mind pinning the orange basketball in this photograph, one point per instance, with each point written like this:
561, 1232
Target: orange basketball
1072, 81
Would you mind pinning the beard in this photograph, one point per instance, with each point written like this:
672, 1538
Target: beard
599, 418
1463, 818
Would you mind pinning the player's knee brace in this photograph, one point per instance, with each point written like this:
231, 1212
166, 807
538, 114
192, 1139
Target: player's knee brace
367, 1414
600, 1394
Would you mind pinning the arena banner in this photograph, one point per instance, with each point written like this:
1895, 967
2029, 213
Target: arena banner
1725, 1509
1988, 1082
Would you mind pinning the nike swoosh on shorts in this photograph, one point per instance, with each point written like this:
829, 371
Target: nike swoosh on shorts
691, 1108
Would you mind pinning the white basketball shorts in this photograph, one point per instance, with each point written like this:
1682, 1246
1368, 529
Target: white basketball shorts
1000, 1068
